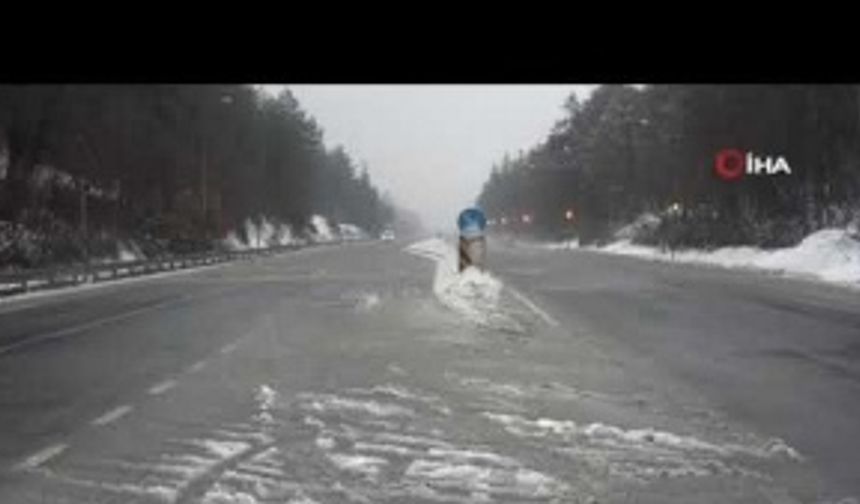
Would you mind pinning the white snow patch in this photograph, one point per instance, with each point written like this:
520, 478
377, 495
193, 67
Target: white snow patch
302, 499
433, 248
403, 393
520, 426
260, 235
465, 474
398, 392
598, 432
220, 495
233, 242
351, 232
223, 449
283, 235
257, 437
832, 255
459, 455
563, 245
326, 402
484, 479
314, 422
363, 464
42, 456
473, 293
190, 466
265, 397
642, 223
325, 442
322, 231
367, 301
128, 252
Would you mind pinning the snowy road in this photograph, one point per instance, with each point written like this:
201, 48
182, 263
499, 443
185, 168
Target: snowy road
366, 373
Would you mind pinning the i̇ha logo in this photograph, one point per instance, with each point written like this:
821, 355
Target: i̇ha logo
732, 164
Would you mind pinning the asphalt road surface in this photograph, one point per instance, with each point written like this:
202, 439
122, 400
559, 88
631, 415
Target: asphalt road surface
336, 375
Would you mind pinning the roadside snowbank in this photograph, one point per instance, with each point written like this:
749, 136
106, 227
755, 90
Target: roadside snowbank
129, 252
832, 255
263, 235
322, 231
351, 232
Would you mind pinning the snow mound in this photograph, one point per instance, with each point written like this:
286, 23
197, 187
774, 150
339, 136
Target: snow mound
321, 232
128, 252
233, 242
283, 235
259, 235
267, 233
831, 254
643, 222
351, 232
473, 293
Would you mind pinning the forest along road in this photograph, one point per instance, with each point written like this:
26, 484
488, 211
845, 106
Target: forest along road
371, 372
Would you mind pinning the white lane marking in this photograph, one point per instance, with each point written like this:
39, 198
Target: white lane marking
160, 388
534, 308
112, 415
90, 325
41, 456
197, 366
228, 348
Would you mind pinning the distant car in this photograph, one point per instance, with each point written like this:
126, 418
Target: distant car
387, 235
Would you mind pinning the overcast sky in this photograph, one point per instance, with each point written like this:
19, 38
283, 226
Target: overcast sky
432, 146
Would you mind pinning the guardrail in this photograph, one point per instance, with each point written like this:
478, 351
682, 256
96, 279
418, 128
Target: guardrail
51, 278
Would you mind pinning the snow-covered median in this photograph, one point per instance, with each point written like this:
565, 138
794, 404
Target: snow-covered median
832, 255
